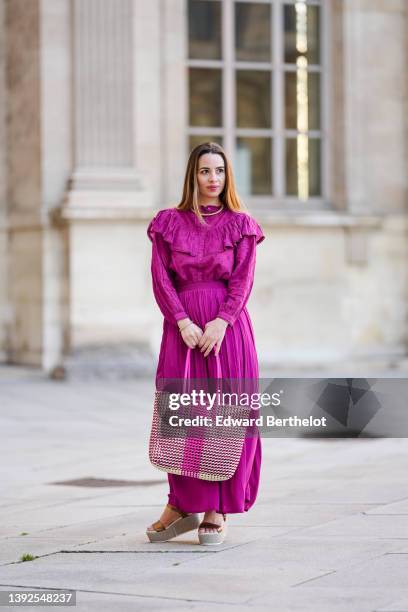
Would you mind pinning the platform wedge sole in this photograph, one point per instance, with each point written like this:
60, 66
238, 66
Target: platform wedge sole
215, 537
178, 527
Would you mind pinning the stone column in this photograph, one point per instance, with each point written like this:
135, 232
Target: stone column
4, 302
375, 91
375, 100
104, 153
24, 180
37, 145
115, 176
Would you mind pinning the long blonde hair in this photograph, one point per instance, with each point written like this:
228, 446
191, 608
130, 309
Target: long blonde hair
228, 196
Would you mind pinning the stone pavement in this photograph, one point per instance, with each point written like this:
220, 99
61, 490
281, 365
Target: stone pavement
328, 532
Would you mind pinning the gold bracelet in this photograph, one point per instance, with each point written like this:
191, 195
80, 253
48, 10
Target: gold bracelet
185, 326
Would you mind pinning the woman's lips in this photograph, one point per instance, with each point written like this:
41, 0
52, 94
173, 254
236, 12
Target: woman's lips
213, 188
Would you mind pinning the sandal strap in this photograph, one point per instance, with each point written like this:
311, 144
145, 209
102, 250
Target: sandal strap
183, 514
212, 525
158, 526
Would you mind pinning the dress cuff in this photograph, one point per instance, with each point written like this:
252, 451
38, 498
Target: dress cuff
181, 315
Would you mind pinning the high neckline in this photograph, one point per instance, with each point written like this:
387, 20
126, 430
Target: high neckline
213, 221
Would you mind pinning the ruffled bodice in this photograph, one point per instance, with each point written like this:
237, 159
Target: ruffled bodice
181, 230
185, 250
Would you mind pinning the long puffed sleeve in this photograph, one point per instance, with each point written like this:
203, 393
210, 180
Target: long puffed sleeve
241, 280
248, 234
163, 287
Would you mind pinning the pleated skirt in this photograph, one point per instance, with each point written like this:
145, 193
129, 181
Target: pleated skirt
238, 359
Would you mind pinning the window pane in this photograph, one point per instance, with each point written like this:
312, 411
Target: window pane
204, 29
252, 32
253, 166
194, 141
301, 33
205, 97
253, 98
302, 100
303, 166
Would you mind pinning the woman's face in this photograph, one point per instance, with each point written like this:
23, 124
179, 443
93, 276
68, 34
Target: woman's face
211, 174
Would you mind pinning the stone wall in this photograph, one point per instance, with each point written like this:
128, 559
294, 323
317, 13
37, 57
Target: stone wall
92, 143
4, 301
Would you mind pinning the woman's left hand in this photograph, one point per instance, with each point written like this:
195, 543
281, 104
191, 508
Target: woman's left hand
214, 332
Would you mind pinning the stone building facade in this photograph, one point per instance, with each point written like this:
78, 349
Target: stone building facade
100, 103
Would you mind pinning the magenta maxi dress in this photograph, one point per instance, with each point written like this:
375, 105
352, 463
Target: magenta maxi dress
204, 272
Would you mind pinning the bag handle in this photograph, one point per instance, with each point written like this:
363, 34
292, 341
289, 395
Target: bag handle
187, 367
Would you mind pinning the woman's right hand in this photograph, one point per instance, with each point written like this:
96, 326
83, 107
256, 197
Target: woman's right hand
191, 333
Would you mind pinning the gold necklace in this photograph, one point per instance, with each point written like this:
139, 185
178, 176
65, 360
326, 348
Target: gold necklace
213, 213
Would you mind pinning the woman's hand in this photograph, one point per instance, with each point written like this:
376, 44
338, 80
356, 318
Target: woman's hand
213, 336
190, 333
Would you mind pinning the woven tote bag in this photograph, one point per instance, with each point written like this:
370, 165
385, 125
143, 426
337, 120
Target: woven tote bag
205, 454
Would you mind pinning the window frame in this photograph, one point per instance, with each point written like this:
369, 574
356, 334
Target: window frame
278, 132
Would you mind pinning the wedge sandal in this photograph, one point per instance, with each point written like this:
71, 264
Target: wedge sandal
214, 537
186, 522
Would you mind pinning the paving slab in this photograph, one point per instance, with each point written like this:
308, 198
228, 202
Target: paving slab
316, 599
297, 514
154, 575
394, 508
237, 536
287, 550
363, 526
336, 490
106, 602
400, 605
388, 570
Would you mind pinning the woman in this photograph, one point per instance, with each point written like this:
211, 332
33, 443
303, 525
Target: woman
203, 261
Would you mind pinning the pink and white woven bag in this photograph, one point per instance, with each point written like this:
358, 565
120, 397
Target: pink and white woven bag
207, 456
